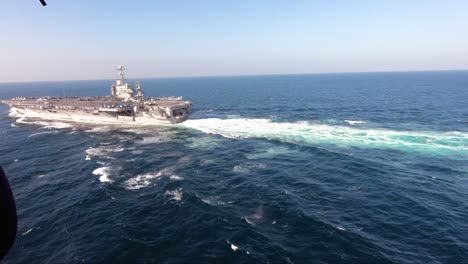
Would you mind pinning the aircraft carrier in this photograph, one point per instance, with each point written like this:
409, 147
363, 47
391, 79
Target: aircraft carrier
127, 104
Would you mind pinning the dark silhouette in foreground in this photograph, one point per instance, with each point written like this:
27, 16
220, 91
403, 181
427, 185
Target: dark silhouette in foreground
8, 220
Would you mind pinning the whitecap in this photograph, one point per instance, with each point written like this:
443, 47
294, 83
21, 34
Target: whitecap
104, 173
256, 217
240, 169
233, 247
119, 149
28, 231
102, 152
185, 159
141, 181
250, 222
355, 122
248, 167
211, 200
175, 194
145, 180
175, 178
207, 162
95, 152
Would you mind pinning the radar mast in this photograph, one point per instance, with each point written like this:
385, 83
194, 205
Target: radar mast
121, 70
121, 88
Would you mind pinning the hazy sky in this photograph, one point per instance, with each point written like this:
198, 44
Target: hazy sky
87, 39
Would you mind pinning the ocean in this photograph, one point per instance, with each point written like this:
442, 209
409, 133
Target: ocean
321, 168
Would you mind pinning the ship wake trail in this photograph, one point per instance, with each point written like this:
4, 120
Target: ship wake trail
428, 142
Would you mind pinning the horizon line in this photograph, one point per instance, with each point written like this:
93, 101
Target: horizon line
246, 75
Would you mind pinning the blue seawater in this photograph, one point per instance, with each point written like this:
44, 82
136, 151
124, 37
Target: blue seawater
326, 168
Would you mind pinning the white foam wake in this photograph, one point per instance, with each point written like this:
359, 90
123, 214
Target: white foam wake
45, 124
445, 143
43, 133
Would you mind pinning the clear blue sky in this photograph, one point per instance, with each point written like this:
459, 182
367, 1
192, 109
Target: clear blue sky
86, 39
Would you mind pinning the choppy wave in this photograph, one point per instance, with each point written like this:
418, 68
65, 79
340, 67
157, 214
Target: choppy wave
349, 191
102, 152
175, 194
355, 122
233, 247
141, 181
211, 200
248, 167
445, 143
103, 173
203, 143
270, 152
145, 180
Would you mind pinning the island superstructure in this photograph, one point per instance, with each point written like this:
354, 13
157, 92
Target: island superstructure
127, 104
